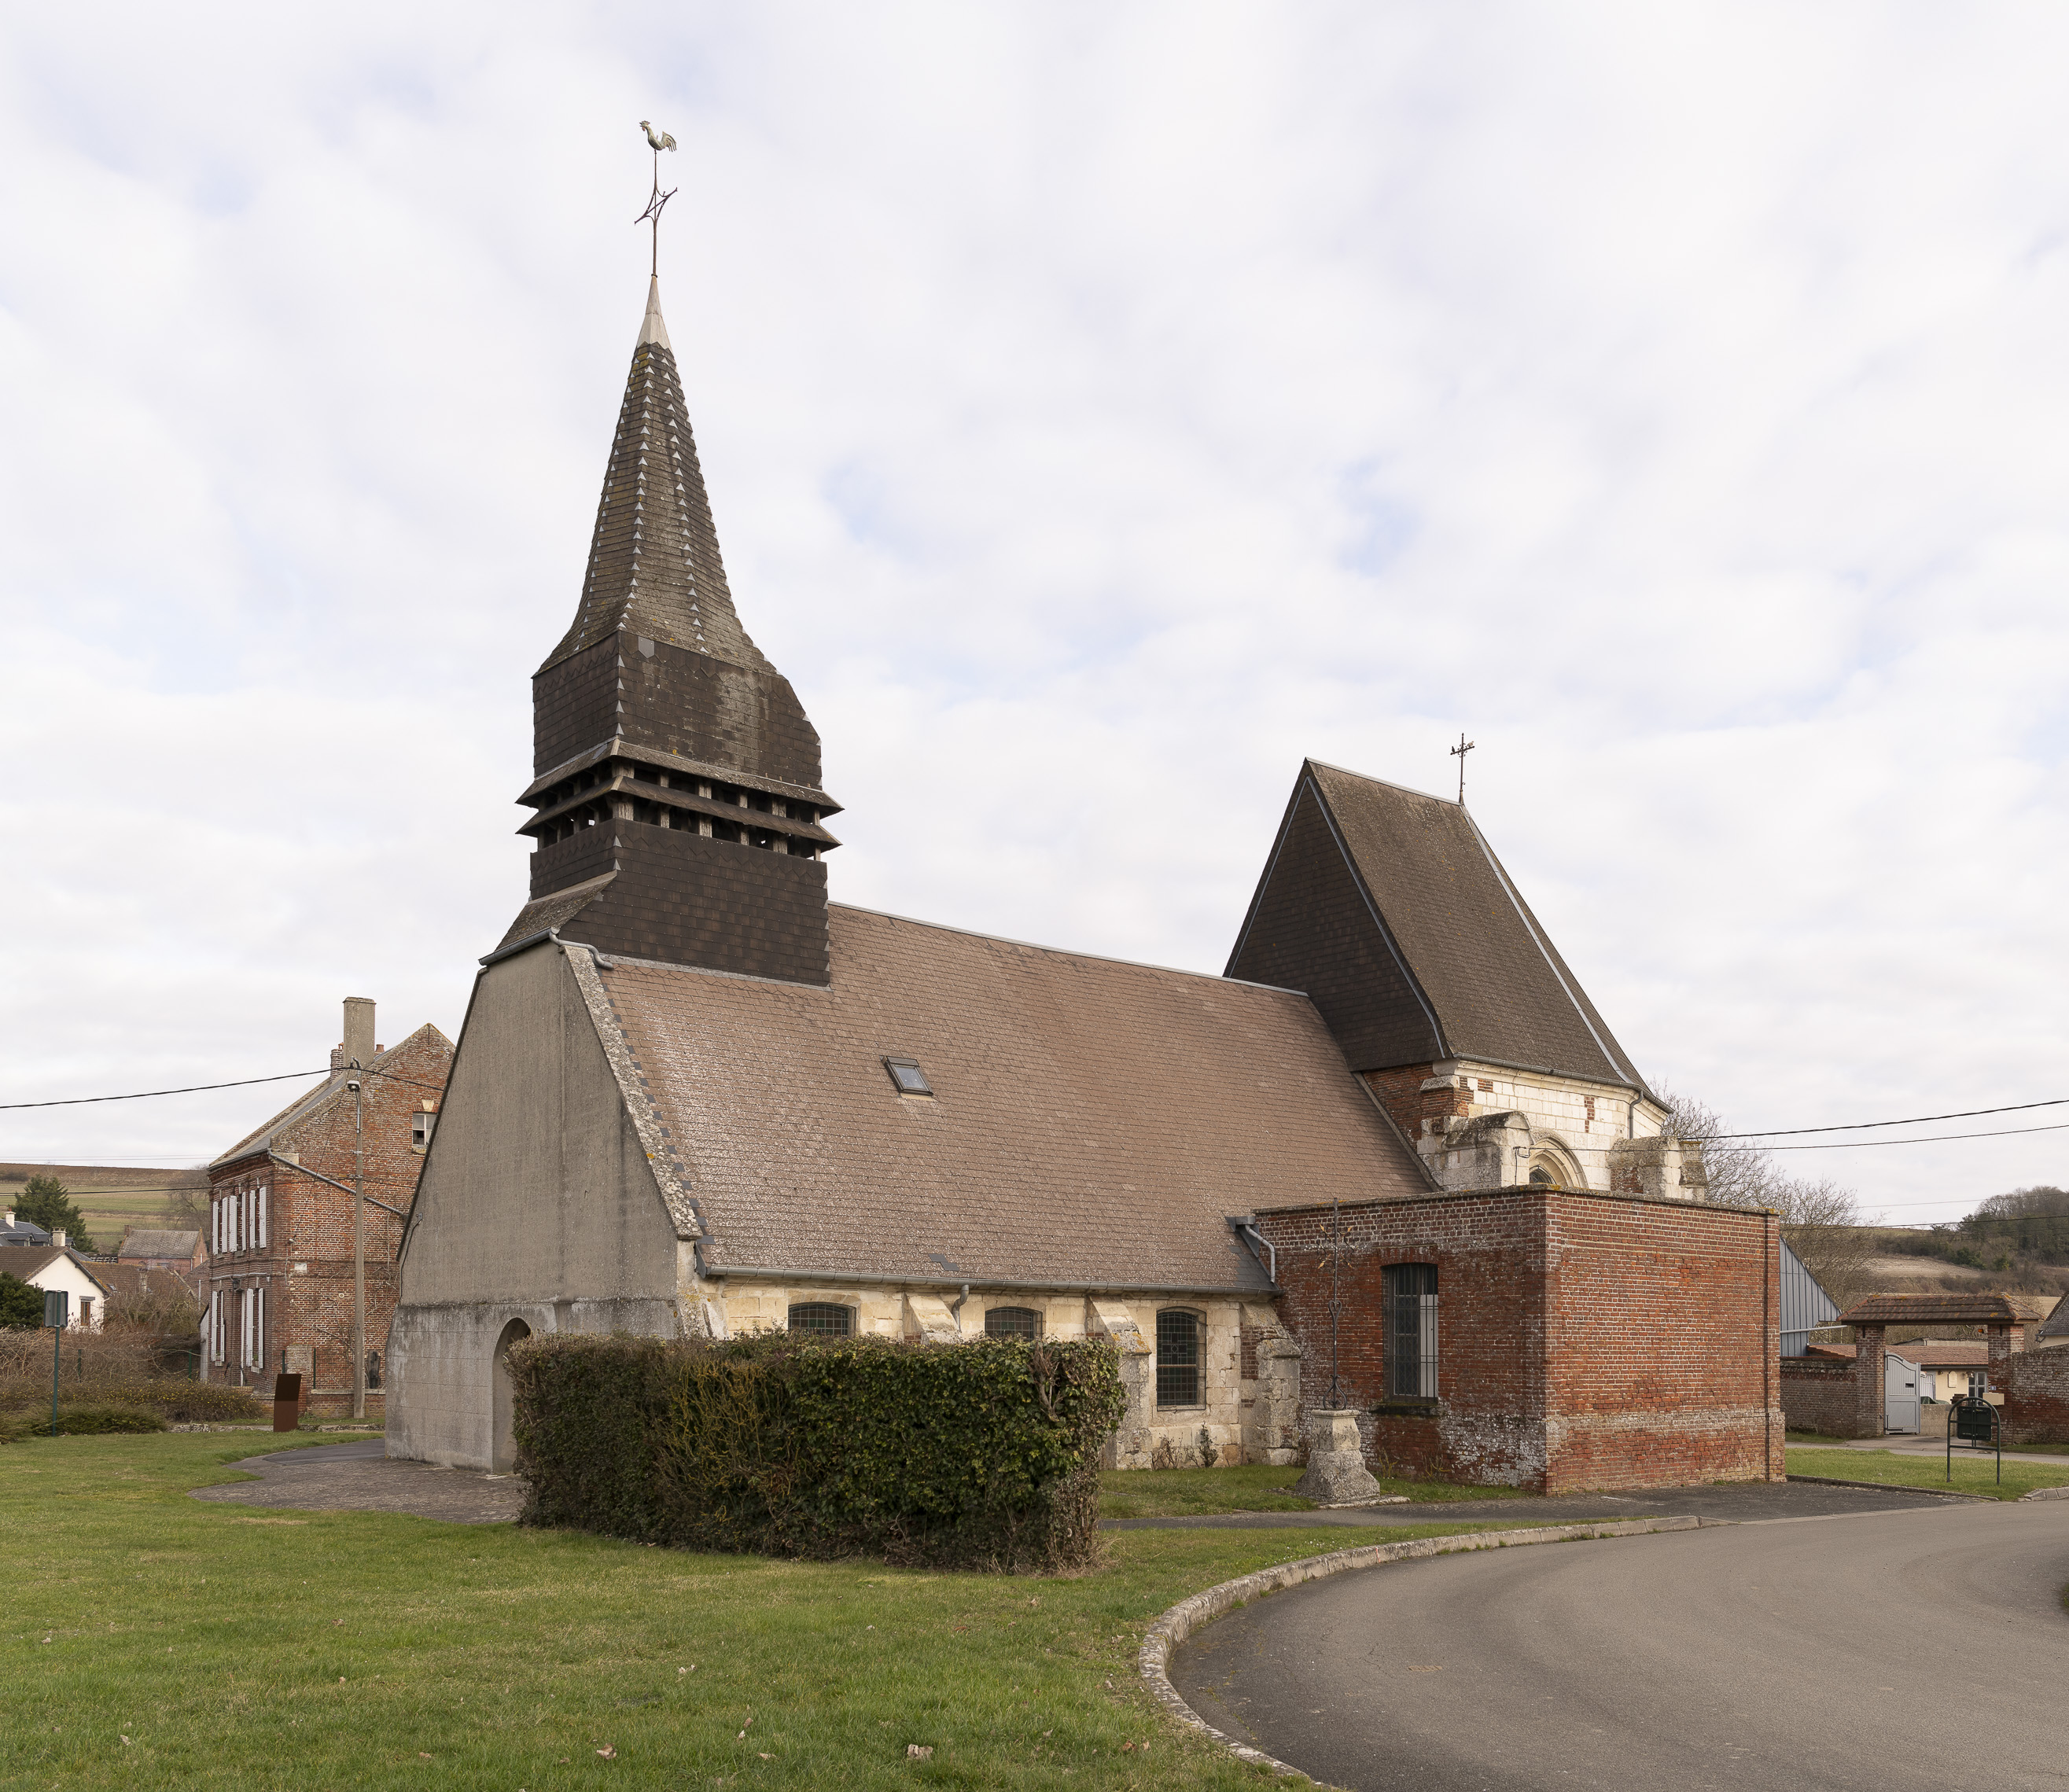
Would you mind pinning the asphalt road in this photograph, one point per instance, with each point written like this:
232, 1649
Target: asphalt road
1895, 1649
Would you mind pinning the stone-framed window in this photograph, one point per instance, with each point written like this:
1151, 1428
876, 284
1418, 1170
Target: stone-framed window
827, 1319
1177, 1357
1410, 1294
1012, 1322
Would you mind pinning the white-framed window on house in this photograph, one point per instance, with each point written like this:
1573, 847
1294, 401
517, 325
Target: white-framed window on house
1410, 1293
215, 1326
215, 1226
252, 1342
421, 1124
1979, 1381
237, 1220
262, 1198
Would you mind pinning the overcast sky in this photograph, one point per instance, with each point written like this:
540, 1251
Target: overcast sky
1103, 407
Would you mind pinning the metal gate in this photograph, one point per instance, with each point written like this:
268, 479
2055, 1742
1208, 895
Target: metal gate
1900, 1394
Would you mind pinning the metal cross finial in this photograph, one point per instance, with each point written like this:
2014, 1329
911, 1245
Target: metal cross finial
1459, 753
658, 140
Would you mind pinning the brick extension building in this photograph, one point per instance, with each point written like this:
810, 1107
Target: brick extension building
691, 1095
278, 1290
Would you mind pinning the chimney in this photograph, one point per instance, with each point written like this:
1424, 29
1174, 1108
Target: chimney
58, 1239
358, 1045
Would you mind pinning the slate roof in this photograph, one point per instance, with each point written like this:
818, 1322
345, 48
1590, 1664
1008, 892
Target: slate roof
1389, 908
2057, 1325
22, 1232
1094, 1123
178, 1245
654, 565
261, 1138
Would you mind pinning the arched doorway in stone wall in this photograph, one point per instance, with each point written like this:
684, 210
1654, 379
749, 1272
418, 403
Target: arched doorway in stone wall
503, 1444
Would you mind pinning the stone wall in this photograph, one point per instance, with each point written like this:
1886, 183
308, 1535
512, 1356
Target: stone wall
1480, 1125
1585, 1340
1249, 1371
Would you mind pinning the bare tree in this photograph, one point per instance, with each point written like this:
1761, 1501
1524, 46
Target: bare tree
1820, 1220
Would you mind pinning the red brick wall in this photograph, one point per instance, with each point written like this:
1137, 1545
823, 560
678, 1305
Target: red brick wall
311, 1223
1818, 1394
1584, 1340
2036, 1408
1401, 1093
1667, 1312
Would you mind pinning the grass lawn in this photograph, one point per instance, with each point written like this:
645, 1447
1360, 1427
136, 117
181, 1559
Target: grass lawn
231, 1646
1972, 1473
1183, 1493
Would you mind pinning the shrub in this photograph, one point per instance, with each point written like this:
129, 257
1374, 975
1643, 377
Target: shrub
981, 1455
171, 1397
96, 1419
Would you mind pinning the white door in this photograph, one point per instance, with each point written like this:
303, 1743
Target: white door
1900, 1393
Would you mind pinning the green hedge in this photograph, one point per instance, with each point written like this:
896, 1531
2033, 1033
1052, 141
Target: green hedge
982, 1454
172, 1396
96, 1420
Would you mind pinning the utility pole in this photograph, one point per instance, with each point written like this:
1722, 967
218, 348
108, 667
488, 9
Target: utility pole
358, 1244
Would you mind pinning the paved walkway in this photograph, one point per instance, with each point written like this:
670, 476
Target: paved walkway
357, 1477
1741, 1503
1736, 1655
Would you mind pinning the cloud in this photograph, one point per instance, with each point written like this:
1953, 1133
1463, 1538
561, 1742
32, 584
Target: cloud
1102, 410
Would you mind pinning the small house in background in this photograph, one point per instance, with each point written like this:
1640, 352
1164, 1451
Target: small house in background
279, 1278
176, 1253
2052, 1331
56, 1266
21, 1231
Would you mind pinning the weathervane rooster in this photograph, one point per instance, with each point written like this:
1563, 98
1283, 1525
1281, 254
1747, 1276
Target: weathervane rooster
658, 141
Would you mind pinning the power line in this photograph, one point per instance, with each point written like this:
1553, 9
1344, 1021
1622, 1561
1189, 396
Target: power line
192, 1089
197, 1089
1944, 1138
1916, 1120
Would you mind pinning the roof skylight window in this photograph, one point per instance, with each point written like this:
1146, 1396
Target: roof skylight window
909, 1078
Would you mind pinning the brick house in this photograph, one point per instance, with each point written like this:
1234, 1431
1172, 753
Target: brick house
693, 1095
279, 1290
174, 1252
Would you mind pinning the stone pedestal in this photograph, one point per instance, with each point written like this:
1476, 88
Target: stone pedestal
1336, 1474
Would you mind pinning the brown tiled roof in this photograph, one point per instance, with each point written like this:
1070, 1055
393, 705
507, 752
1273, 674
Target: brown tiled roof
22, 1261
1931, 1309
1390, 909
179, 1245
653, 565
1094, 1123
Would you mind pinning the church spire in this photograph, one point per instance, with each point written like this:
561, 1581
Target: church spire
677, 811
654, 563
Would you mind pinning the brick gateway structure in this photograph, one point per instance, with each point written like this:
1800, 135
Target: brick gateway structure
1554, 1339
1842, 1399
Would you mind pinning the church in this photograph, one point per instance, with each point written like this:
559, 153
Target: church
1392, 1159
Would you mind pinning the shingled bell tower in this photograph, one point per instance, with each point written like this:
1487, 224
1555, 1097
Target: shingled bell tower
675, 796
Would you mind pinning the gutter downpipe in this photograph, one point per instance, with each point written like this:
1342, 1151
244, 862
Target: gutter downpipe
956, 1307
1271, 1250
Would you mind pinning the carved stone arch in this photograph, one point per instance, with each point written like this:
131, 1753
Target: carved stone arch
1553, 1165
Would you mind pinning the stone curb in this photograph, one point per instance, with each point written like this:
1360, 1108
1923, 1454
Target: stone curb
1173, 1626
1889, 1486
